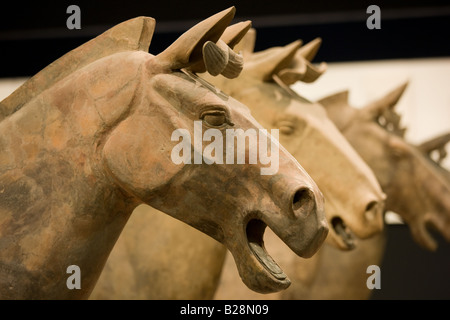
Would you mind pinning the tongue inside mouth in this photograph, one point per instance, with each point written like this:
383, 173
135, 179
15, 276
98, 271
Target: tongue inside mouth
255, 232
343, 232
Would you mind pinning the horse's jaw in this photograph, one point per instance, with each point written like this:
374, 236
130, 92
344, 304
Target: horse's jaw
258, 270
256, 267
255, 234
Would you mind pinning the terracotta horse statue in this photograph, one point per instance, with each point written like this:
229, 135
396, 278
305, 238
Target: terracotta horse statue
417, 189
341, 203
354, 200
90, 137
425, 203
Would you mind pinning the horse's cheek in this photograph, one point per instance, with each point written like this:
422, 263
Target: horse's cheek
138, 158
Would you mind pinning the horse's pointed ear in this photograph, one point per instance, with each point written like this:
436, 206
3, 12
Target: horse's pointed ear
336, 99
437, 143
309, 50
338, 108
231, 63
303, 71
387, 102
247, 45
187, 49
235, 33
301, 68
267, 63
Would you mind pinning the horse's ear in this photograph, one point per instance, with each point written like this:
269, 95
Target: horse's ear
338, 108
309, 50
304, 72
387, 102
235, 33
219, 58
247, 45
436, 144
336, 99
301, 68
264, 64
187, 49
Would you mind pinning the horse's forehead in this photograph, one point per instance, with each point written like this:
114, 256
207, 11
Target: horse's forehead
191, 92
430, 178
373, 128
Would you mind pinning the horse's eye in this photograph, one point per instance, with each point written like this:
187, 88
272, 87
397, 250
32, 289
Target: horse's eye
398, 147
287, 130
286, 127
381, 121
214, 118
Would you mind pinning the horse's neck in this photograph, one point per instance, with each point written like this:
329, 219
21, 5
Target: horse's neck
57, 206
54, 214
52, 217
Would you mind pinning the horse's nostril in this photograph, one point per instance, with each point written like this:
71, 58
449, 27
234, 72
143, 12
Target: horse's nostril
371, 210
303, 199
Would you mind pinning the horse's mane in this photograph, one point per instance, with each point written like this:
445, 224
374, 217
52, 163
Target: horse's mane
131, 35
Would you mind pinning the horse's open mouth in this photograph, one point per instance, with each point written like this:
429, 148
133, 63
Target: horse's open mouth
255, 233
345, 235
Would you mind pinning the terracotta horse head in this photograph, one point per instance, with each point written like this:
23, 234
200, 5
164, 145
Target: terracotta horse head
343, 275
354, 196
354, 201
91, 137
416, 188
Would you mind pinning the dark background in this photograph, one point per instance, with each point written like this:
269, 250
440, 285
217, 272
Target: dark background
33, 34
